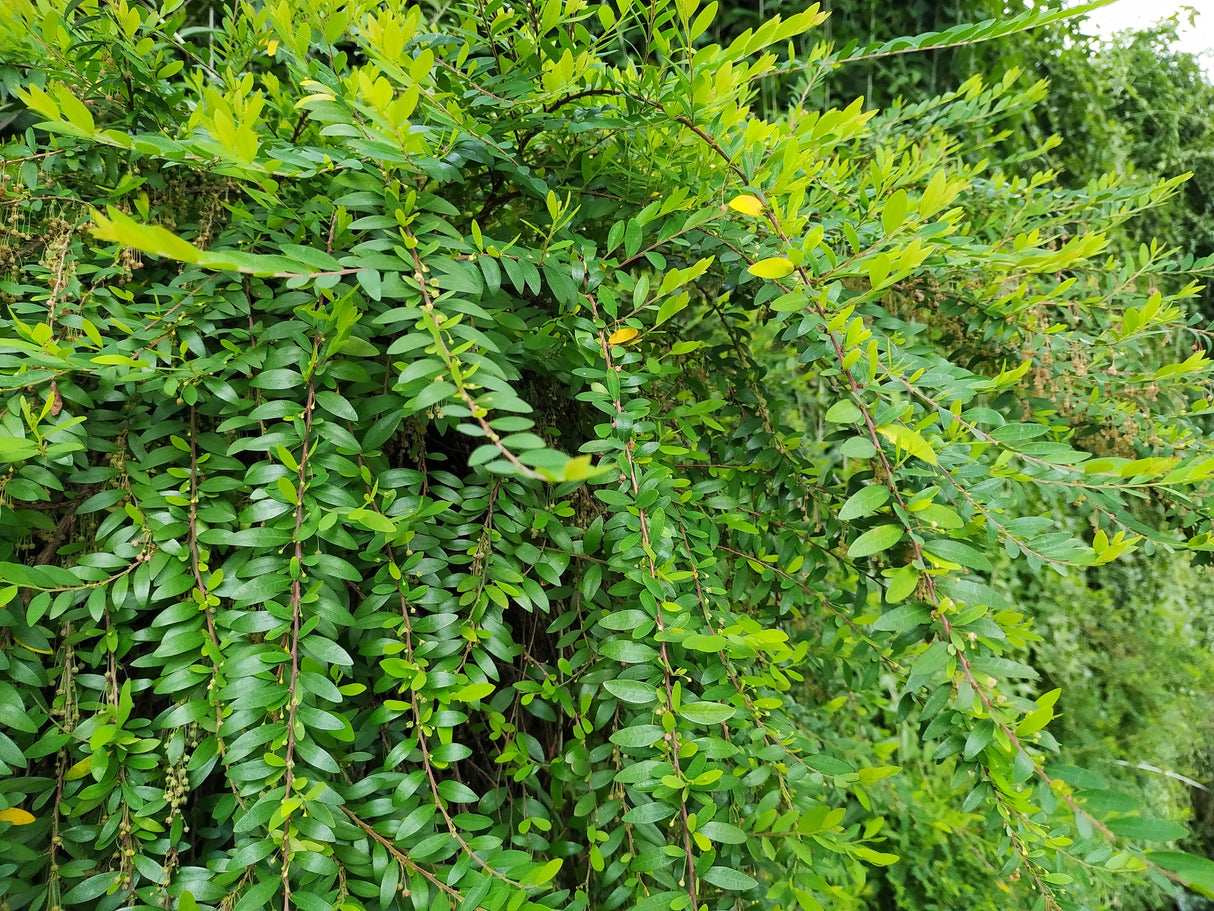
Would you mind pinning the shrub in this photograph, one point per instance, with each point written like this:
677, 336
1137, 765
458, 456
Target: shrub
464, 463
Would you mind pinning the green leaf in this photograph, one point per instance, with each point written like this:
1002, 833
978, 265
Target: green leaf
336, 405
828, 765
1147, 828
261, 589
639, 735
877, 858
545, 873
326, 651
119, 227
1018, 433
372, 521
958, 552
876, 540
627, 651
1003, 667
473, 692
631, 691
1197, 872
858, 448
625, 619
730, 879
904, 618
649, 813
1076, 776
455, 275
979, 738
706, 712
864, 502
457, 792
844, 412
723, 833
934, 658
933, 194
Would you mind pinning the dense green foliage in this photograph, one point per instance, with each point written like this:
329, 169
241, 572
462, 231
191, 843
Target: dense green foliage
479, 462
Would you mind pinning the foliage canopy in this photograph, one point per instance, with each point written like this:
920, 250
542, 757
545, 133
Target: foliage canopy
480, 463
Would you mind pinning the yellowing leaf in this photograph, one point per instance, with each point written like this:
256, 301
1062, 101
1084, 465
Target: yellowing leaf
153, 239
472, 692
909, 440
315, 96
578, 468
272, 48
16, 816
747, 205
622, 336
775, 267
546, 872
80, 769
40, 651
119, 227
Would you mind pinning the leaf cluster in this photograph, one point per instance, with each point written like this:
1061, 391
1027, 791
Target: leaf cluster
447, 465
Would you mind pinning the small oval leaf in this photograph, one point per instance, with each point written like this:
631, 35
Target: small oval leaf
775, 267
747, 205
622, 336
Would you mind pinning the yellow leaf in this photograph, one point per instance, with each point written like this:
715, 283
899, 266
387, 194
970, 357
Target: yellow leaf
746, 204
622, 336
775, 267
272, 48
16, 816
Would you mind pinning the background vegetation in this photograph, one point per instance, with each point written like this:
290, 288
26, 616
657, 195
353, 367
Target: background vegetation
563, 455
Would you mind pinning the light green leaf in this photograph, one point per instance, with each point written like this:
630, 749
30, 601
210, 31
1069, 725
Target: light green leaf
902, 583
844, 412
545, 873
893, 214
15, 449
473, 692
